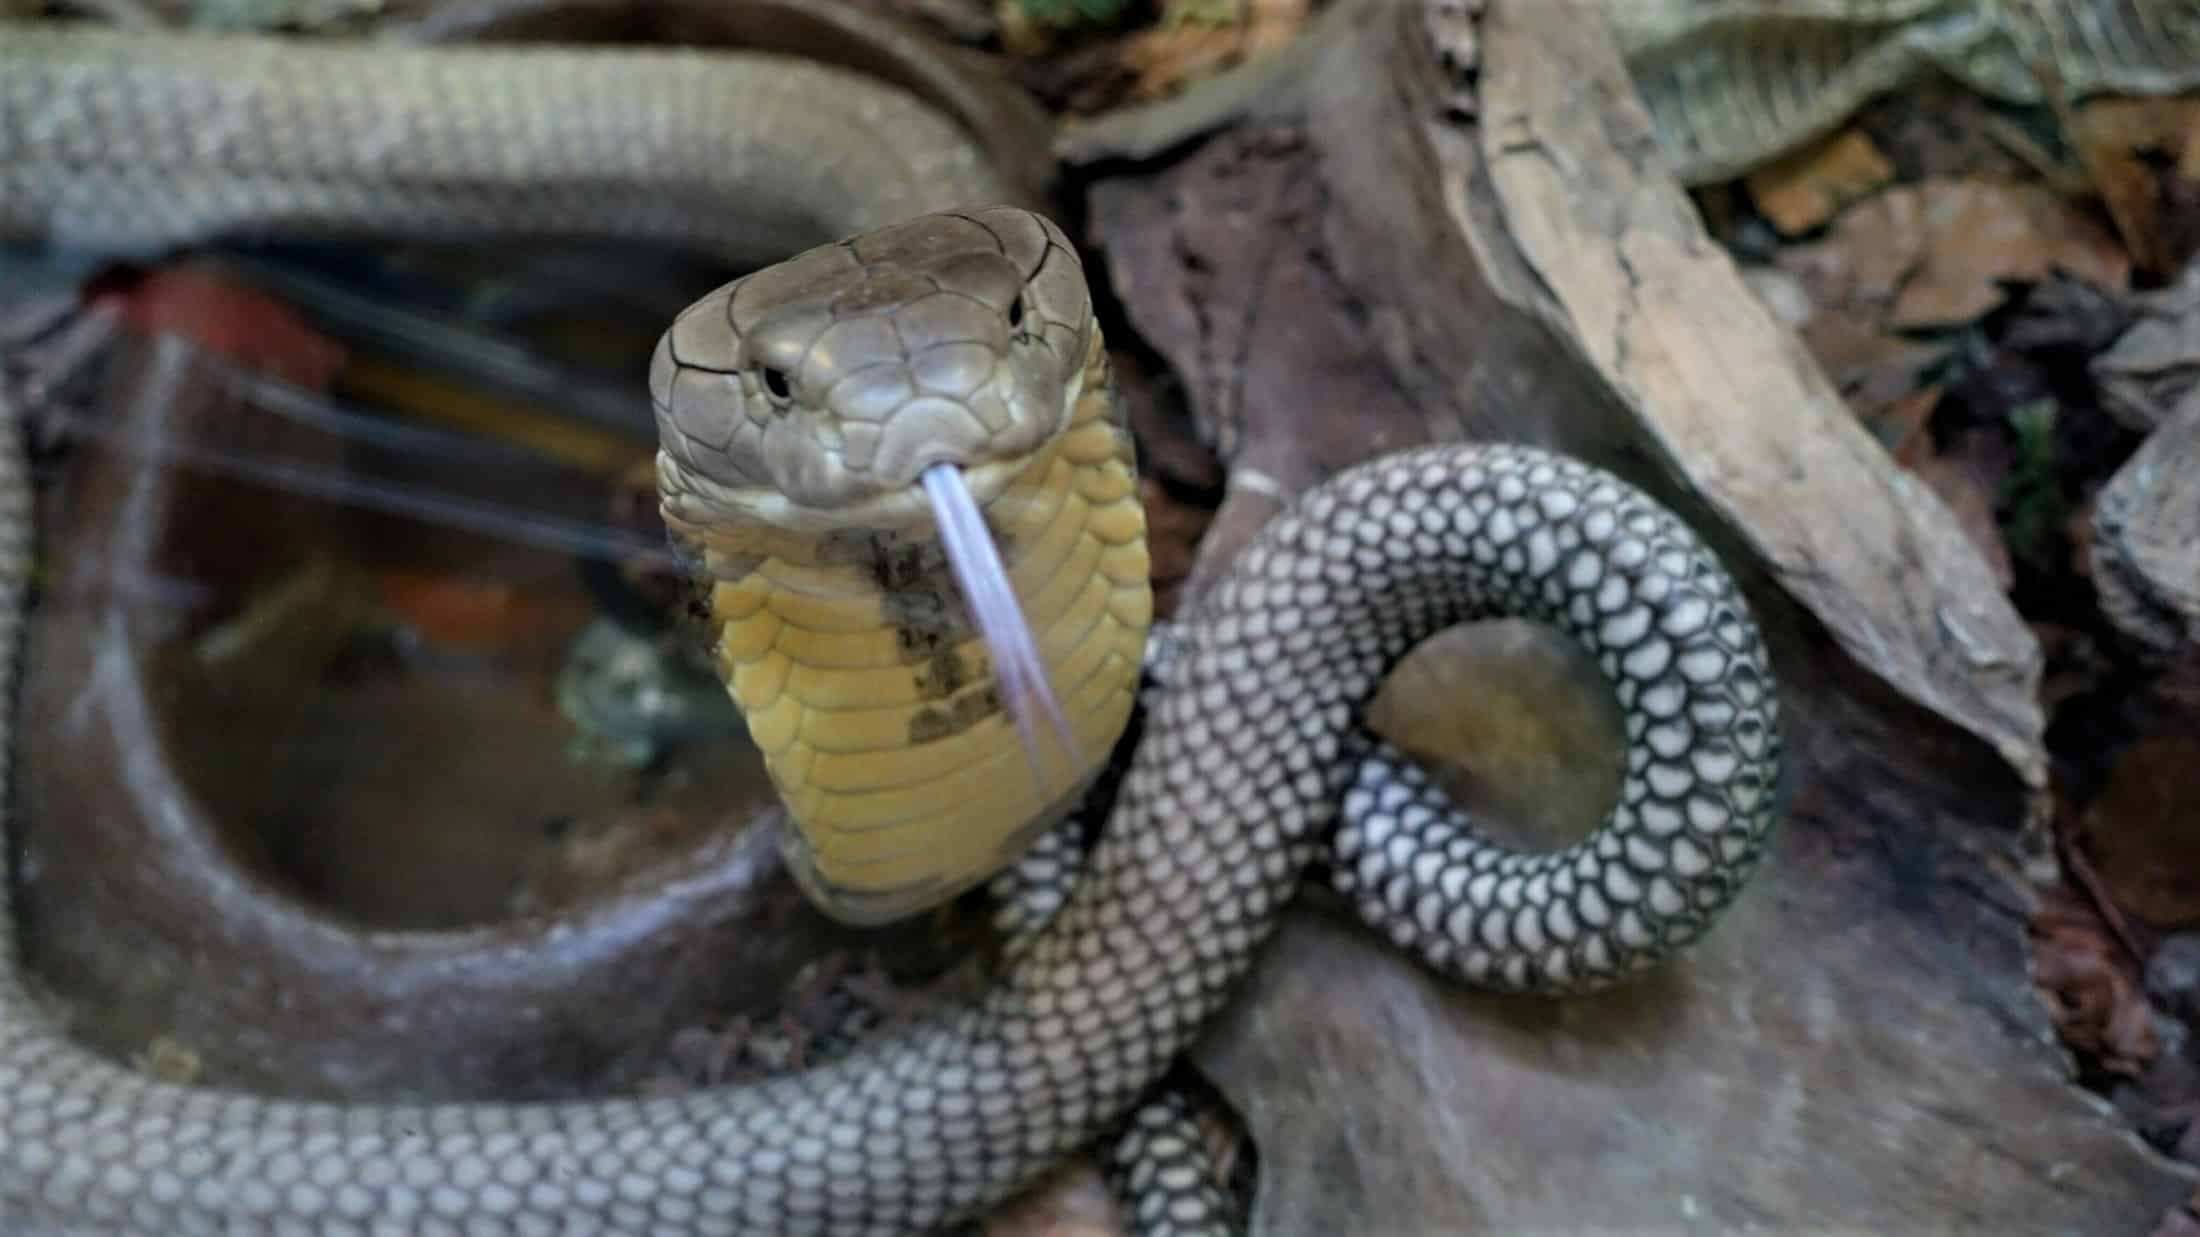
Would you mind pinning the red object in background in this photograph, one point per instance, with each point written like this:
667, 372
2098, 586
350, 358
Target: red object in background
229, 318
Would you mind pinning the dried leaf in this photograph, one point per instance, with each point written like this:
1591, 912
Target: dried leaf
2087, 980
1874, 370
1980, 233
1860, 266
1904, 423
1805, 189
1958, 482
2143, 156
1165, 58
2142, 832
1934, 254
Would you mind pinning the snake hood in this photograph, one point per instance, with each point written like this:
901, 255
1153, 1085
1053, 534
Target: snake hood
814, 394
896, 466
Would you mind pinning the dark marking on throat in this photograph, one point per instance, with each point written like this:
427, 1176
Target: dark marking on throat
925, 607
923, 603
935, 722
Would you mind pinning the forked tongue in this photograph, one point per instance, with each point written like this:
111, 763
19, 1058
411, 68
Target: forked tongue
1025, 691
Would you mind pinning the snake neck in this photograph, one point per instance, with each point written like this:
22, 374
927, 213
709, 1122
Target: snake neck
863, 680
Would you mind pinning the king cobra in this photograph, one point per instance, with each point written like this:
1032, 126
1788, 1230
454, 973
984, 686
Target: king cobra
931, 381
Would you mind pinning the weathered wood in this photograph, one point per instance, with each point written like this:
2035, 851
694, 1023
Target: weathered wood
1467, 234
2146, 538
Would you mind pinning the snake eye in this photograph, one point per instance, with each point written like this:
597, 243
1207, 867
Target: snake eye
775, 383
1016, 314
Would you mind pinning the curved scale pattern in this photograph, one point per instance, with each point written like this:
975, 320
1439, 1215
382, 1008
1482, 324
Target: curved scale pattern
1161, 1170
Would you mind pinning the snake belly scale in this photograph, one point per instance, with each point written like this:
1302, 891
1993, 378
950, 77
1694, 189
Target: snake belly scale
1235, 787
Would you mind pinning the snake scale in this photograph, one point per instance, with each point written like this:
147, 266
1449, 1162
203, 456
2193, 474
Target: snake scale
1251, 765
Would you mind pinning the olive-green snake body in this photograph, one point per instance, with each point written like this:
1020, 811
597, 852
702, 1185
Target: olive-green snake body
1236, 785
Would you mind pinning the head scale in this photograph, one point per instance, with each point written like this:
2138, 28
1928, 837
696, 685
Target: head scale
816, 392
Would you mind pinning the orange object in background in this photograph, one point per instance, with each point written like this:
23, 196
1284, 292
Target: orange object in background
226, 317
478, 613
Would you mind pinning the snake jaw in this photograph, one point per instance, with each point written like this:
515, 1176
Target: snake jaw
693, 497
1026, 693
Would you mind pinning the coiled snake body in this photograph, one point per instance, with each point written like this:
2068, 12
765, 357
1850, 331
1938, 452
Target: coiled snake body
1235, 787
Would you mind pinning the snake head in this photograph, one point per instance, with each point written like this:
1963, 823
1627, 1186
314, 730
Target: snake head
815, 393
897, 380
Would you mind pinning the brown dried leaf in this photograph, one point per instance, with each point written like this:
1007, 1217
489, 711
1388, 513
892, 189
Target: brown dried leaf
1081, 74
1860, 266
1904, 422
1932, 254
1978, 233
1166, 58
2143, 156
2087, 980
1805, 189
2142, 832
1957, 481
1875, 371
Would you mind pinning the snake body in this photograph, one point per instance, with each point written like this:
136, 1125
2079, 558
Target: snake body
111, 140
1234, 788
1731, 84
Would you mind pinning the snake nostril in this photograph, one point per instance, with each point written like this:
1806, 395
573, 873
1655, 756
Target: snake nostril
1016, 314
